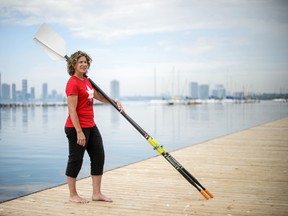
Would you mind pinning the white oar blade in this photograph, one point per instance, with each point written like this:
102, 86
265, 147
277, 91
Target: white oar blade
53, 55
50, 42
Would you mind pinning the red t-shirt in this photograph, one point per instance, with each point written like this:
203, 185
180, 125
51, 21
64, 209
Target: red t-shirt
83, 89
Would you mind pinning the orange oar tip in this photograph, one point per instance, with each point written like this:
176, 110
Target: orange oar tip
207, 192
204, 194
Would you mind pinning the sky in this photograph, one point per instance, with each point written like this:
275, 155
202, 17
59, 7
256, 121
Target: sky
152, 47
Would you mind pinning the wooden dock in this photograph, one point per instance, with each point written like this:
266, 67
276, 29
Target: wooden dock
246, 171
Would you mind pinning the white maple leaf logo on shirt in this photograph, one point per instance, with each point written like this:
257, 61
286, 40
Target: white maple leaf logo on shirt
90, 92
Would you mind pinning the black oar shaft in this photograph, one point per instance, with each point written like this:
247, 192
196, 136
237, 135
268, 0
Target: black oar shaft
187, 175
157, 147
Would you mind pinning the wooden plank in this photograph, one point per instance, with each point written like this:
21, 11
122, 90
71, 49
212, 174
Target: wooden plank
247, 172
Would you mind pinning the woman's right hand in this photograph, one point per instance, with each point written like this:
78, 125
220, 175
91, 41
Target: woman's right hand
81, 139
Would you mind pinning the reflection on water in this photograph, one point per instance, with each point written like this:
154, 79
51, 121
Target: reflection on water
34, 147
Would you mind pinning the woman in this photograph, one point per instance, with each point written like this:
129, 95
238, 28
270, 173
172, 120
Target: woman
80, 128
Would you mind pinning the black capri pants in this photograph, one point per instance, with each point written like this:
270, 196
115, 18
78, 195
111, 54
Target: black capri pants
94, 147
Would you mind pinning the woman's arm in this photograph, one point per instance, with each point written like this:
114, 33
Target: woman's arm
72, 101
101, 98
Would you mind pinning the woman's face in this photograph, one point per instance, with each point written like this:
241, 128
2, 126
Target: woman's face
81, 65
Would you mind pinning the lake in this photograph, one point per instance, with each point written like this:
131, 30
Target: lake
34, 147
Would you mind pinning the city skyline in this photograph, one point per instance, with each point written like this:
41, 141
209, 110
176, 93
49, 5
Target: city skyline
195, 91
240, 44
26, 93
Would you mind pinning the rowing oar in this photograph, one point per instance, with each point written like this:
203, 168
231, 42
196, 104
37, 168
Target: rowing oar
159, 148
55, 47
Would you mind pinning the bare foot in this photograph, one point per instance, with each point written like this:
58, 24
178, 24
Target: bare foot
101, 197
78, 199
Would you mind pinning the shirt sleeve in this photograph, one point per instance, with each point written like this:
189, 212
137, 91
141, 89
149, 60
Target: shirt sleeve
71, 88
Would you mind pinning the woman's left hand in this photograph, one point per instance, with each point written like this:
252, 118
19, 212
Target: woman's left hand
119, 105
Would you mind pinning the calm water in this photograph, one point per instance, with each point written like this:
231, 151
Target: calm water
33, 146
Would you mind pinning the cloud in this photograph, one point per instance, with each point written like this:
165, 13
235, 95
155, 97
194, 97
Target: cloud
112, 19
139, 35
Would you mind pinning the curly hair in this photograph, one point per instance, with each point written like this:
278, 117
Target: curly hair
71, 62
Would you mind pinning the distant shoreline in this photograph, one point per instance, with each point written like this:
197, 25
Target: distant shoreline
12, 105
162, 101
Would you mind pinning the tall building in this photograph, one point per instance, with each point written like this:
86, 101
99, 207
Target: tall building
115, 89
0, 87
32, 93
44, 91
24, 90
14, 92
193, 90
5, 92
204, 91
